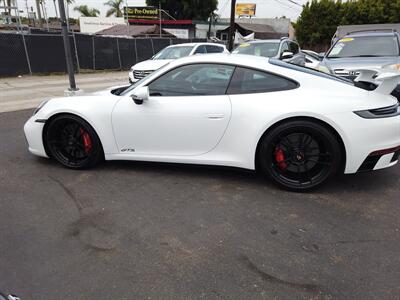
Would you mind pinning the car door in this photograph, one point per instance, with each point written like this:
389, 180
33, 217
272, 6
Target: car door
187, 113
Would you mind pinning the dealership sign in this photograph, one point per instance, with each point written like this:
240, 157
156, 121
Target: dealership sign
141, 13
96, 24
245, 9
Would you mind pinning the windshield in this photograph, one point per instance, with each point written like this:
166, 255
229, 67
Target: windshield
258, 49
365, 46
173, 52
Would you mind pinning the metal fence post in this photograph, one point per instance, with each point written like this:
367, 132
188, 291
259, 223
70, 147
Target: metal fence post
136, 52
26, 53
170, 41
94, 54
152, 45
76, 52
119, 55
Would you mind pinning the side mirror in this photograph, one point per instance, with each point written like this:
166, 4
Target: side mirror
287, 55
140, 95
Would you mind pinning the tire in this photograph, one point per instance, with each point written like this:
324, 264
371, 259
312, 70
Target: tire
73, 142
299, 155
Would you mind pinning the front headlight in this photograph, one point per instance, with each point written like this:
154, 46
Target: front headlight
40, 106
392, 67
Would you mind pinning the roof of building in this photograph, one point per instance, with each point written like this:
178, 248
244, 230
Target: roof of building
133, 30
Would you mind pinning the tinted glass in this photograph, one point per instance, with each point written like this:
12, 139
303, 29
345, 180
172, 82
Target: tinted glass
285, 47
259, 49
283, 64
367, 46
193, 80
173, 52
294, 48
247, 81
200, 49
214, 49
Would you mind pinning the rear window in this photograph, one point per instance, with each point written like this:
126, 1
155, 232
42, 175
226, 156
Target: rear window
283, 64
269, 49
365, 46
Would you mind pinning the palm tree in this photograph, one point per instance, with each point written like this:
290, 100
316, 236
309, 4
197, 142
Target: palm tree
85, 11
115, 8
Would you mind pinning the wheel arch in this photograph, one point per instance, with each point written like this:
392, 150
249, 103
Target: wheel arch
51, 118
310, 119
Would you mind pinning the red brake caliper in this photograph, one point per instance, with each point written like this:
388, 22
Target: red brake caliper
87, 141
280, 158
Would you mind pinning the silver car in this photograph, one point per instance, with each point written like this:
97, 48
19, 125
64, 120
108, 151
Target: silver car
359, 50
284, 49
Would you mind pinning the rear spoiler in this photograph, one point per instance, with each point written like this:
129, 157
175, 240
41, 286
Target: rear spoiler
385, 79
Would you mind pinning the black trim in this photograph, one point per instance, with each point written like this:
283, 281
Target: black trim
396, 156
369, 163
40, 120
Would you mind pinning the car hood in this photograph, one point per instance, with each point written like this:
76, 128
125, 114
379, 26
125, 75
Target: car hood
349, 63
115, 90
151, 64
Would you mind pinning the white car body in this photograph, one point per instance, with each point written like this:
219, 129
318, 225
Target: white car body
225, 129
146, 67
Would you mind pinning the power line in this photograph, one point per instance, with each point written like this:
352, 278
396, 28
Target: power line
294, 2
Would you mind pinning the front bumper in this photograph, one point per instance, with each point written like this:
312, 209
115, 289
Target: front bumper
33, 132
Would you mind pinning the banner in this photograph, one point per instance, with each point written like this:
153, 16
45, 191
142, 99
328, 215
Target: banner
141, 13
245, 9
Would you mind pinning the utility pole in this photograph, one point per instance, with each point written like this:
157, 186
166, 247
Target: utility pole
67, 47
39, 13
231, 26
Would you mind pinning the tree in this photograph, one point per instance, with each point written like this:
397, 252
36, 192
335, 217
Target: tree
319, 19
115, 8
85, 11
187, 9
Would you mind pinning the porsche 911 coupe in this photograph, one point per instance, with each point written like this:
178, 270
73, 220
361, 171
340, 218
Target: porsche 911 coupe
297, 126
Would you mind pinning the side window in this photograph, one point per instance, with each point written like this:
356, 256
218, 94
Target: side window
193, 80
285, 47
248, 81
214, 49
200, 50
294, 48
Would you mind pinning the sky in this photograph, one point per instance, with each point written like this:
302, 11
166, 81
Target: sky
264, 9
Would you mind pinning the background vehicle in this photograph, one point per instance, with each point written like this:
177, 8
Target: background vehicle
362, 50
312, 59
298, 126
170, 53
284, 49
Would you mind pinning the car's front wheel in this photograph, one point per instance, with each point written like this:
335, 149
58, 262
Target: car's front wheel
73, 142
299, 155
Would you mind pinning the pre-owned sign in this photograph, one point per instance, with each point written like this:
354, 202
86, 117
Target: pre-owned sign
141, 13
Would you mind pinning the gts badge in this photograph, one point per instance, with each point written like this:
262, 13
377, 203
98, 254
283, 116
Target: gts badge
127, 150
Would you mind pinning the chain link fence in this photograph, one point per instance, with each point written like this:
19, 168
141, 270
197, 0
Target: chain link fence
44, 53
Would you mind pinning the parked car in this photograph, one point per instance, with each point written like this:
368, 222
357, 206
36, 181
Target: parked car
312, 59
361, 50
296, 125
284, 49
144, 68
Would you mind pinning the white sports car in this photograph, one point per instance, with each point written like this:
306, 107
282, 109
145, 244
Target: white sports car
298, 126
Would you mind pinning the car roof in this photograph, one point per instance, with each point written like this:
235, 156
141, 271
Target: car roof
195, 44
370, 33
223, 58
265, 41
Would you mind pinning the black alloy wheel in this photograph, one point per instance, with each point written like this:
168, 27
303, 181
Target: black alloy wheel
73, 142
300, 155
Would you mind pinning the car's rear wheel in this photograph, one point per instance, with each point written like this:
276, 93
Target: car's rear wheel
299, 155
73, 142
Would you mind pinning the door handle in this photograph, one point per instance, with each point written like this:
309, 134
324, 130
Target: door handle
215, 116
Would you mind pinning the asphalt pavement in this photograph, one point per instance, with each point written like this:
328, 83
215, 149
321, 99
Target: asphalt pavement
129, 230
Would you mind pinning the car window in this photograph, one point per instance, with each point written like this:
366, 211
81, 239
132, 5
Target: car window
294, 48
269, 49
173, 52
248, 81
193, 80
367, 46
285, 48
214, 49
200, 50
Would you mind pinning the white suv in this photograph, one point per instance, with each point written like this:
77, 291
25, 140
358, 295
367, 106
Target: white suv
144, 68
